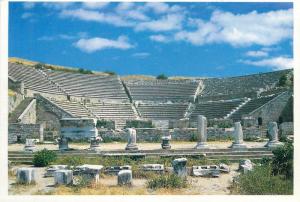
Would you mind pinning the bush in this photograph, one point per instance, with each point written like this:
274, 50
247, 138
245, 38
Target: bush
166, 181
261, 181
44, 158
105, 123
138, 124
84, 71
111, 73
39, 66
283, 160
162, 77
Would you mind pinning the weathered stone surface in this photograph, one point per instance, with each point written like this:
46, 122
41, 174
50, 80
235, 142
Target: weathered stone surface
131, 140
26, 175
179, 167
202, 133
125, 177
50, 171
245, 166
166, 142
206, 171
90, 172
114, 170
63, 177
273, 135
30, 145
153, 168
238, 137
63, 144
224, 168
78, 128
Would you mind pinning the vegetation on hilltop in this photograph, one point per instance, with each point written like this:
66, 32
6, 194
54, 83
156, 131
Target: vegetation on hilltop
162, 77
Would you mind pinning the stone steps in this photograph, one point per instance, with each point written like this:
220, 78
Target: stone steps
226, 154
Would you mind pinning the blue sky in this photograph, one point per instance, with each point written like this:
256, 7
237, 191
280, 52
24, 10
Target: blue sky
189, 39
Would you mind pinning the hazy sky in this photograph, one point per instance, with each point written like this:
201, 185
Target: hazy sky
191, 39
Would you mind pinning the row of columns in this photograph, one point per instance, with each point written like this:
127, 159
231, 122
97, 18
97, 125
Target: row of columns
238, 135
201, 144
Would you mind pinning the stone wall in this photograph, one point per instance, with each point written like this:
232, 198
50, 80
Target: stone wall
49, 115
286, 128
14, 101
29, 114
272, 110
19, 132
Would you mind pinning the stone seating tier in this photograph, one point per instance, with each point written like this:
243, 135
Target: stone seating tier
250, 106
33, 79
213, 110
162, 111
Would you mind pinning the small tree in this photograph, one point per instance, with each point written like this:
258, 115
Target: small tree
110, 73
44, 158
162, 77
39, 66
283, 80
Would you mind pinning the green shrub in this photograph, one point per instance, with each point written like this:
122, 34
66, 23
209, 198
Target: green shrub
139, 124
111, 73
261, 181
283, 160
166, 181
84, 71
43, 158
193, 137
162, 77
39, 66
81, 181
105, 124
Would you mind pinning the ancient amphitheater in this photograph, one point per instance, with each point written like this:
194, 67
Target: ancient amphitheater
190, 122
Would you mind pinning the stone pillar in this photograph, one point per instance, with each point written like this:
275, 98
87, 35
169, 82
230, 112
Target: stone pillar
125, 177
179, 167
30, 145
131, 140
95, 143
166, 140
238, 137
273, 136
41, 132
63, 144
63, 177
202, 132
26, 175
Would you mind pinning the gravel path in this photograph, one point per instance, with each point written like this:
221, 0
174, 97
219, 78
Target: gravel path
142, 146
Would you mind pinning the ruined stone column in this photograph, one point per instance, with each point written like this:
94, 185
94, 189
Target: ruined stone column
26, 175
238, 137
273, 135
95, 143
30, 145
131, 140
179, 167
63, 144
202, 132
165, 144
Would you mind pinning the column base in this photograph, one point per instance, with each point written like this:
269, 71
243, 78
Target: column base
274, 144
238, 146
201, 145
132, 147
165, 146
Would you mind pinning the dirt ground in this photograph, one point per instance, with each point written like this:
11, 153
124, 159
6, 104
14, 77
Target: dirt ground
108, 185
142, 146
